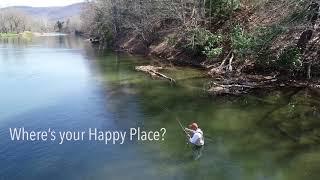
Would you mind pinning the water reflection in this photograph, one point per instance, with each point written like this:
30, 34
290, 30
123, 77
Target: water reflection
62, 83
250, 140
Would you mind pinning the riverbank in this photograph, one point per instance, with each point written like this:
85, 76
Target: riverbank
48, 34
4, 35
28, 34
256, 54
25, 34
245, 78
238, 45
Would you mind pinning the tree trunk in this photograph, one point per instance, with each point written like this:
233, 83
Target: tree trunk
309, 70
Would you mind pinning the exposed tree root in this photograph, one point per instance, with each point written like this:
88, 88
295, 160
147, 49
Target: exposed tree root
222, 68
243, 84
230, 63
240, 85
224, 61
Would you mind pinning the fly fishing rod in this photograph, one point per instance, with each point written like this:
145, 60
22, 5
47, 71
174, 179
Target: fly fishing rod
187, 134
183, 128
206, 137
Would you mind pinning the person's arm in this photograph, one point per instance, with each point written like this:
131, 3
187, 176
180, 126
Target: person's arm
189, 130
194, 138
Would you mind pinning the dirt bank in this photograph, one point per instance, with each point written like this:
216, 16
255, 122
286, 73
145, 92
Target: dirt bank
242, 80
283, 48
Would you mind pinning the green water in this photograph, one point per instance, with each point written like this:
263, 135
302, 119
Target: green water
63, 83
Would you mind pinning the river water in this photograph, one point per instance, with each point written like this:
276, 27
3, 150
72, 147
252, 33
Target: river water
64, 84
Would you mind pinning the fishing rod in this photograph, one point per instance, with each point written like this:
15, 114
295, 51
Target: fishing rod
180, 124
182, 127
206, 137
187, 134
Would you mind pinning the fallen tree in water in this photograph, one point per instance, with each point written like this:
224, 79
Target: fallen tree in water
153, 72
239, 85
244, 84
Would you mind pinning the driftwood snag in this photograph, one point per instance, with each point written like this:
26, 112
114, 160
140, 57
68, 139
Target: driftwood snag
241, 84
235, 89
153, 71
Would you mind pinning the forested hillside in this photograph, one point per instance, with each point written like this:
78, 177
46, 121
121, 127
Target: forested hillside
50, 13
17, 19
278, 39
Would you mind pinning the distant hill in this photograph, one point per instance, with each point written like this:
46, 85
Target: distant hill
51, 13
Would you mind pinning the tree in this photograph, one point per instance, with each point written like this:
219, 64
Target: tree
13, 21
59, 25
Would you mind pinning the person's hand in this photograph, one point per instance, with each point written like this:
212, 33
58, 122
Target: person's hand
189, 136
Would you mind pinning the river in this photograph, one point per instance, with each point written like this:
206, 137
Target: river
62, 83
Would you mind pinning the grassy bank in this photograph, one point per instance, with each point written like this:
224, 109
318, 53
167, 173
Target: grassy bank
8, 35
25, 34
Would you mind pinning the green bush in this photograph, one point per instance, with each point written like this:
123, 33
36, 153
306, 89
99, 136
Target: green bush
212, 52
264, 36
221, 9
262, 39
241, 42
290, 59
202, 41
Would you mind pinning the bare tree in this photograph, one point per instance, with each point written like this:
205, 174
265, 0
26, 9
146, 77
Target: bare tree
13, 21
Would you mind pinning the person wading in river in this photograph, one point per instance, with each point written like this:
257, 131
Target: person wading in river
195, 135
196, 138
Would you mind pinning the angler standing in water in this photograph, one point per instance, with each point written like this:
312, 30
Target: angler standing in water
196, 138
195, 135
